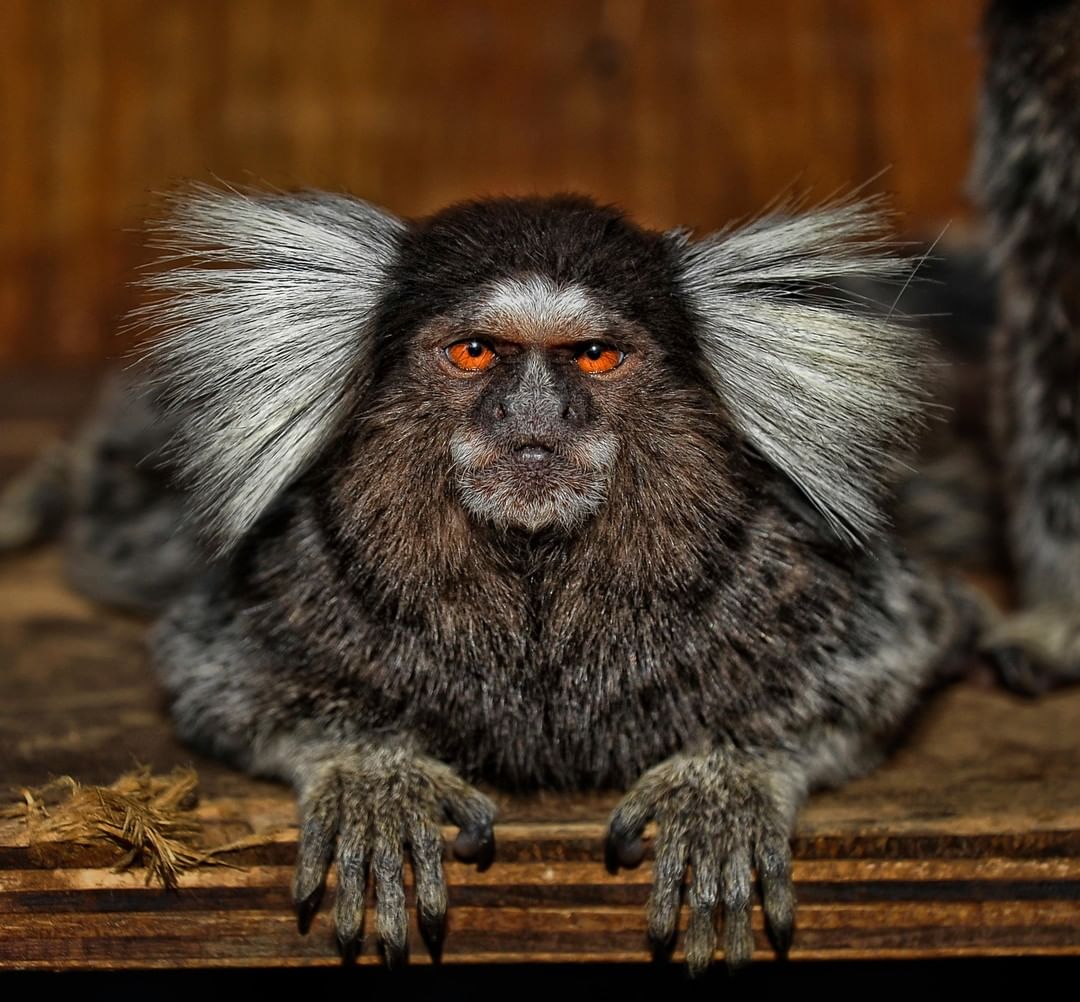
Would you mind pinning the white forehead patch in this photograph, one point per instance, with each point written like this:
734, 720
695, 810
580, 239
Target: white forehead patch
535, 301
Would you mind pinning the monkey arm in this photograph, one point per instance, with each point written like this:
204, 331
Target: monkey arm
727, 805
367, 796
1037, 349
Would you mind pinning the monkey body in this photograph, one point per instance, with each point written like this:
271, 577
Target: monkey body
523, 493
1027, 180
557, 502
529, 662
767, 666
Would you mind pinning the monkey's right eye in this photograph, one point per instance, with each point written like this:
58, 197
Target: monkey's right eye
471, 356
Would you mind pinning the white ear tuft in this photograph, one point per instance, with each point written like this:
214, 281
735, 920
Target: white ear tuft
265, 334
827, 390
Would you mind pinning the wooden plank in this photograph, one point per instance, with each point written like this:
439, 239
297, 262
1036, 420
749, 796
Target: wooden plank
527, 934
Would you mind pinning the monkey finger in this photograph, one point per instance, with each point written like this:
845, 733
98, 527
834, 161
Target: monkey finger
352, 874
306, 909
624, 846
474, 814
777, 890
314, 850
391, 919
735, 884
1017, 671
475, 841
669, 868
463, 804
426, 844
476, 845
623, 853
703, 899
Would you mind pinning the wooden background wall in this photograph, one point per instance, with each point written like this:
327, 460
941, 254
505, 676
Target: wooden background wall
684, 111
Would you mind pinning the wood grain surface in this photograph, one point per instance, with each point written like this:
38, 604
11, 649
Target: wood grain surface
688, 112
966, 843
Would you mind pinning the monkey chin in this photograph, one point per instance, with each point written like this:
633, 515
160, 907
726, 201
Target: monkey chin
562, 493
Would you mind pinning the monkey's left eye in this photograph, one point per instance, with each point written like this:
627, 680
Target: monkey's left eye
597, 357
471, 356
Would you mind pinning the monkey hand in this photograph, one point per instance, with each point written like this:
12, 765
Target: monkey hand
363, 805
1036, 650
722, 815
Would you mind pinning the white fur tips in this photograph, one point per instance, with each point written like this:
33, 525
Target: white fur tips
264, 333
828, 391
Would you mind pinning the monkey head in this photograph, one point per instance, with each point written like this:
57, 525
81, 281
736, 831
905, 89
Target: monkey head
536, 362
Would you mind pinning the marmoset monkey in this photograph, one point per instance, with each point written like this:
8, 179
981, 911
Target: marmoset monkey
523, 492
1028, 179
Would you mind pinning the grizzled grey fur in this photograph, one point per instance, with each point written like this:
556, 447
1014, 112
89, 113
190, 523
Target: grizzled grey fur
285, 333
671, 577
1028, 180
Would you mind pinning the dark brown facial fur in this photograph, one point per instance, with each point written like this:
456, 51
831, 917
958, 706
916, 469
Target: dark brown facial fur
531, 444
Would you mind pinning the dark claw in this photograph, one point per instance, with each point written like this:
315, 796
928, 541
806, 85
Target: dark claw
622, 850
349, 940
1016, 671
306, 909
661, 952
630, 853
611, 855
349, 951
476, 845
781, 938
433, 933
395, 954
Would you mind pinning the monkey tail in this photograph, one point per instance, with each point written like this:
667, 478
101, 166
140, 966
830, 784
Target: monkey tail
33, 506
107, 497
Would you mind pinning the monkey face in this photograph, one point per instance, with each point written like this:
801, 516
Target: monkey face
536, 372
538, 357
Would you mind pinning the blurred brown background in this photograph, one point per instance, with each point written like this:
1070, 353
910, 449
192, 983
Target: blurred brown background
684, 111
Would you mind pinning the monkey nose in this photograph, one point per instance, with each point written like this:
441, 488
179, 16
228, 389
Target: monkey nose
533, 453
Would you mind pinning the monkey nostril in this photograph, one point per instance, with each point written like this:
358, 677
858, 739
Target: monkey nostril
533, 453
500, 412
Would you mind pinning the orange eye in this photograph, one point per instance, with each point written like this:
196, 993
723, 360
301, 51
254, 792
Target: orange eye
471, 356
595, 358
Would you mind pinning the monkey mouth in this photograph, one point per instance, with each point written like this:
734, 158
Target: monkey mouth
534, 455
532, 484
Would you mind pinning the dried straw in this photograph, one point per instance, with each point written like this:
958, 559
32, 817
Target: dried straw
150, 820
